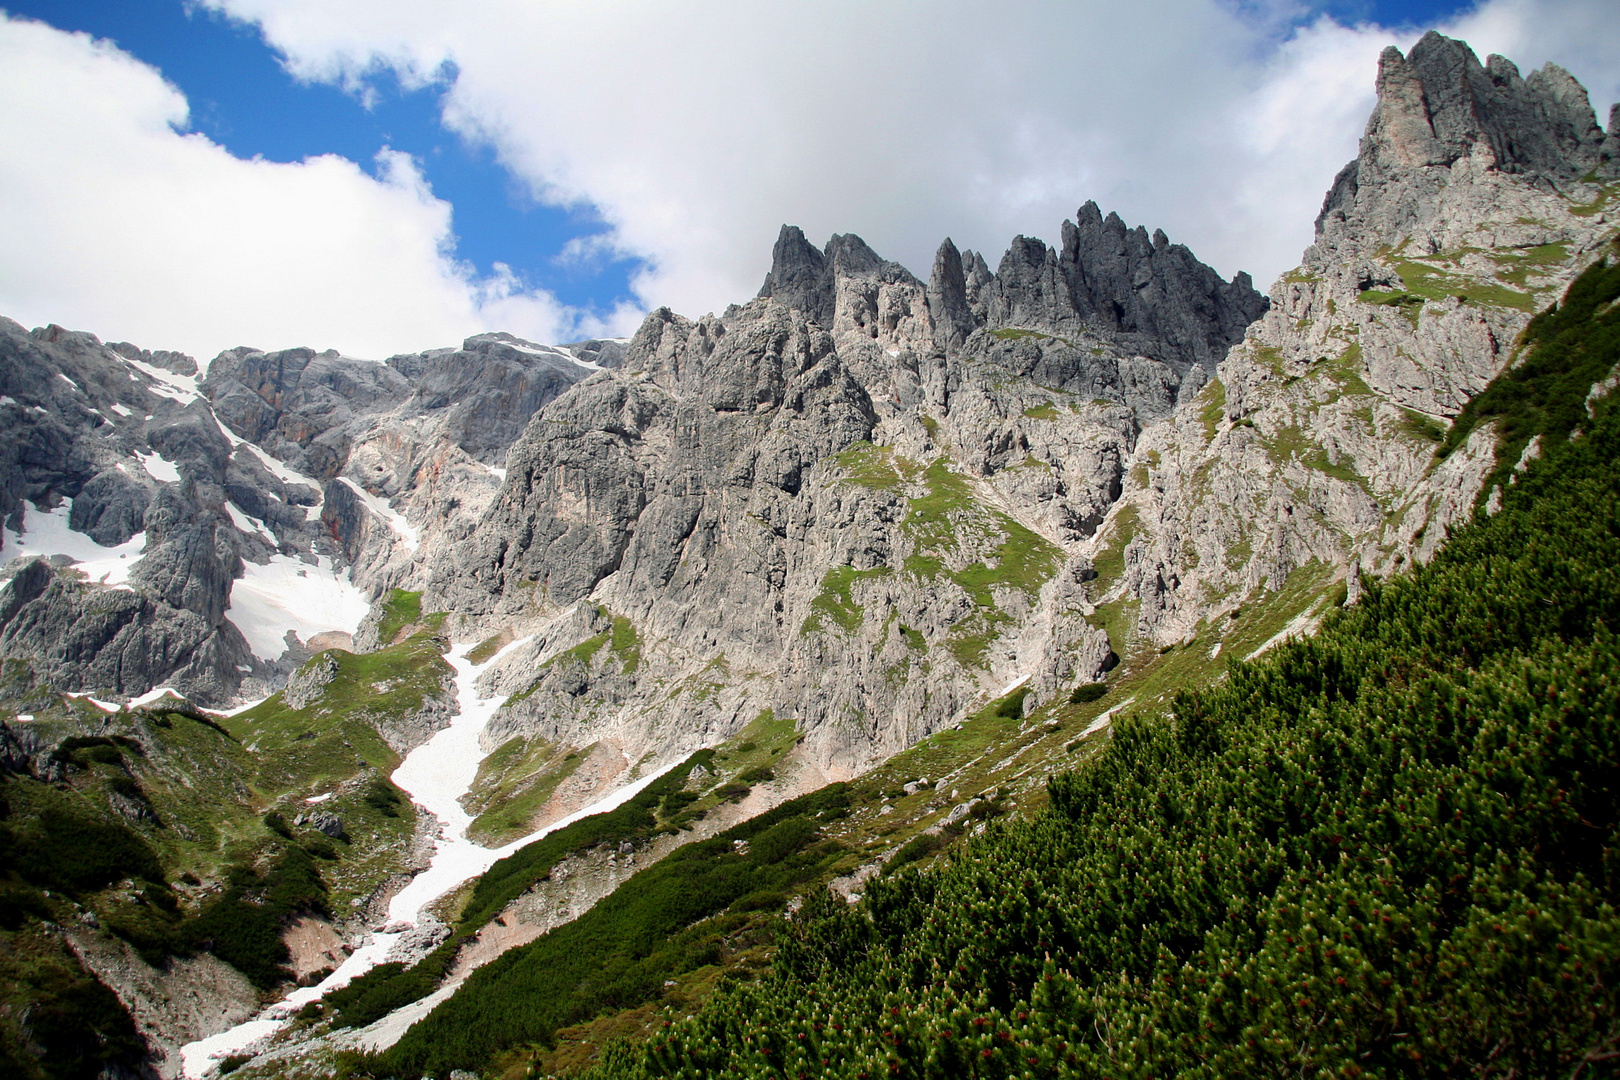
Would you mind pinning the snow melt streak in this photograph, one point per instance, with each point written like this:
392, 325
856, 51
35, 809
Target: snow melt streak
436, 775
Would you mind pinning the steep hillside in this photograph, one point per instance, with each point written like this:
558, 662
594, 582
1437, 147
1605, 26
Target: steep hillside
545, 660
1387, 848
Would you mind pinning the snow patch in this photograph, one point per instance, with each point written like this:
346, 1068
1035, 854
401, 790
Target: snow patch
1015, 684
120, 410
46, 532
181, 388
104, 706
289, 594
155, 695
197, 1058
247, 524
313, 799
553, 353
276, 468
255, 703
396, 520
159, 469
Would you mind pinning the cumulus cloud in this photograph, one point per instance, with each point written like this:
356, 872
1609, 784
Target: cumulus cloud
119, 221
696, 129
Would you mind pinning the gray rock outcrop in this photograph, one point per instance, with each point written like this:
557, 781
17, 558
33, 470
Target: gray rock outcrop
861, 501
308, 682
291, 455
1151, 296
1471, 205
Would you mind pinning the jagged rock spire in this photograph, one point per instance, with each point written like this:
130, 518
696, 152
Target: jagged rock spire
798, 275
1153, 294
948, 298
1439, 104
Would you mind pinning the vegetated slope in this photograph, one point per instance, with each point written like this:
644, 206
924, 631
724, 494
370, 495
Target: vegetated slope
390, 986
136, 840
66, 861
1386, 849
619, 953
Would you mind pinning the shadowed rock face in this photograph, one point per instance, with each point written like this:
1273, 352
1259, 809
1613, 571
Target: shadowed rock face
831, 494
1440, 104
488, 388
301, 406
1146, 294
77, 421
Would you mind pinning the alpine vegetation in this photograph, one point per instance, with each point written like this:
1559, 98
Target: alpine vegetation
1083, 666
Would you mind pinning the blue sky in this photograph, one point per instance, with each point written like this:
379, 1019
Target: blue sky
243, 99
1423, 13
672, 140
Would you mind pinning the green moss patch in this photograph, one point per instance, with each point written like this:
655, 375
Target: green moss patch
402, 608
514, 782
1213, 410
874, 467
835, 605
946, 521
1561, 354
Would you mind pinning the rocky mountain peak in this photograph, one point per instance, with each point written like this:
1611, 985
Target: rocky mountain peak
948, 298
1149, 296
167, 359
797, 273
806, 279
1438, 105
1154, 297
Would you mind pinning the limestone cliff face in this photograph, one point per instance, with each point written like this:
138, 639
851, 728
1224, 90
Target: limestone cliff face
855, 501
869, 503
1476, 198
861, 500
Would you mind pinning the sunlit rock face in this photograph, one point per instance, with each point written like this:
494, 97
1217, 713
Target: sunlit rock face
861, 500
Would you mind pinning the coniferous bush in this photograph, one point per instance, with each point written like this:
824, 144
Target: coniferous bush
1389, 850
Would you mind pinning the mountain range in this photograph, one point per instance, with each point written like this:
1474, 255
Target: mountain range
336, 691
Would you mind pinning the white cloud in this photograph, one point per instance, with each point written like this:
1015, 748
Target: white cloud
117, 221
695, 129
1580, 35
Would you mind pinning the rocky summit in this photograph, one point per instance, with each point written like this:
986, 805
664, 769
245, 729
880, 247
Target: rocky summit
349, 677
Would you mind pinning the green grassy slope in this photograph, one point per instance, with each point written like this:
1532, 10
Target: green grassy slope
1386, 850
175, 831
